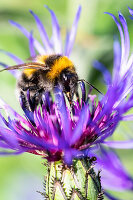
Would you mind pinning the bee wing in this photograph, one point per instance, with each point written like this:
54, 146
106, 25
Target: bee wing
32, 65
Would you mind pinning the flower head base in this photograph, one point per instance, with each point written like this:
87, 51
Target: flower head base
55, 130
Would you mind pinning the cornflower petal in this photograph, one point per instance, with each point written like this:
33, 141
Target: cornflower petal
13, 57
110, 196
11, 112
37, 45
31, 46
54, 134
119, 144
56, 38
3, 144
8, 147
127, 43
121, 35
37, 141
10, 153
113, 171
7, 108
70, 38
9, 137
130, 62
69, 154
61, 108
16, 59
43, 34
117, 61
130, 11
81, 125
127, 118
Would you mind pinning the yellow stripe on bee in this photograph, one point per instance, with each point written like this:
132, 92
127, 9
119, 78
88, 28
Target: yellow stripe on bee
39, 59
42, 58
58, 66
29, 72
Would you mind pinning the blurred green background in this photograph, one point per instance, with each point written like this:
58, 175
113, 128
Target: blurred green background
21, 176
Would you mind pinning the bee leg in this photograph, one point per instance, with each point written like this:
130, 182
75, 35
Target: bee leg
69, 96
33, 102
23, 101
25, 107
72, 102
77, 96
36, 99
41, 102
47, 100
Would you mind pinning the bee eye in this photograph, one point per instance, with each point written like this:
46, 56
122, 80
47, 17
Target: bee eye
65, 77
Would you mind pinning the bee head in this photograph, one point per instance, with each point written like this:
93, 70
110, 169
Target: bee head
68, 81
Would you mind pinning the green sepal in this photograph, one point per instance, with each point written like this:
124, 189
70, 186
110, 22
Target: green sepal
75, 182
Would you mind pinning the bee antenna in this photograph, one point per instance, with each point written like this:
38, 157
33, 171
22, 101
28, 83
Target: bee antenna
90, 85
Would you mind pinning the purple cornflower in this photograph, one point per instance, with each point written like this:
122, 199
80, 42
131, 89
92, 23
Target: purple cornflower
54, 130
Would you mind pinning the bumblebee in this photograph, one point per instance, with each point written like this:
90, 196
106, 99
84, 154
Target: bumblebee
43, 75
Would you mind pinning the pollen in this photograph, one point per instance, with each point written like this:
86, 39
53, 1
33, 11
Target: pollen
58, 66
